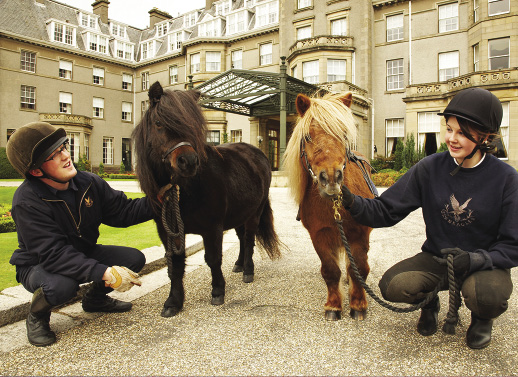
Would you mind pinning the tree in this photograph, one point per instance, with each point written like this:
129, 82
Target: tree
398, 155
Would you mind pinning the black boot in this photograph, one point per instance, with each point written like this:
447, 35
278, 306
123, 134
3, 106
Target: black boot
479, 332
38, 321
427, 324
97, 300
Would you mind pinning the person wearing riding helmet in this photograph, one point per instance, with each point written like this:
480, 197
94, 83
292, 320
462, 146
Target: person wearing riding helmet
469, 200
58, 211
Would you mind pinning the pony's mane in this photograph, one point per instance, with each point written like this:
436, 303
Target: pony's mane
335, 118
178, 112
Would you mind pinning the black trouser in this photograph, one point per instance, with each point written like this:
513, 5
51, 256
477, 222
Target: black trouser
59, 289
485, 292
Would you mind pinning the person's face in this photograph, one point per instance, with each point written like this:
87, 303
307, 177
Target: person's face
458, 144
59, 165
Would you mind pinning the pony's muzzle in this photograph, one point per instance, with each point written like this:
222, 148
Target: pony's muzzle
330, 185
187, 164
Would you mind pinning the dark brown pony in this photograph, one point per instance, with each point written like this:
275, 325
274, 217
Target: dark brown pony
317, 164
221, 187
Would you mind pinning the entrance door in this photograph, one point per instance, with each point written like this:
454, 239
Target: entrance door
126, 154
273, 148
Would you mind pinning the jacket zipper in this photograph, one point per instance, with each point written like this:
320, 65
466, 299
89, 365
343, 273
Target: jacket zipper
77, 224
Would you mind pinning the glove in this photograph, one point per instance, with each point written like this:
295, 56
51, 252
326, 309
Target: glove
122, 279
347, 197
461, 260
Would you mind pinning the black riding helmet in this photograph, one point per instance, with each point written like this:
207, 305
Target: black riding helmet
482, 109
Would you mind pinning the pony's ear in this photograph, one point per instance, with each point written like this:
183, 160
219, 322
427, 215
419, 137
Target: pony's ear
302, 104
347, 99
196, 94
155, 92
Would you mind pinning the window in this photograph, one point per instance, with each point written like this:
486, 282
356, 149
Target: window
173, 74
213, 61
395, 74
502, 142
236, 22
339, 27
475, 10
88, 21
65, 103
65, 69
190, 19
395, 130
448, 65
265, 53
303, 32
175, 41
98, 76
98, 107
28, 97
127, 109
476, 58
118, 30
127, 81
499, 53
87, 146
210, 29
236, 136
62, 33
310, 72
428, 129
73, 139
144, 105
498, 7
108, 150
123, 50
195, 63
161, 29
335, 69
237, 59
28, 61
448, 17
295, 71
267, 13
145, 80
394, 27
97, 43
147, 49
303, 4
213, 137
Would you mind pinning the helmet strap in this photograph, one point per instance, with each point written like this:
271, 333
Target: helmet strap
45, 175
456, 170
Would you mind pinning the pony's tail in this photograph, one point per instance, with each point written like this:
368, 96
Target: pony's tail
266, 235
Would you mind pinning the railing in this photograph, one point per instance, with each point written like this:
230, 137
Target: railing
322, 41
66, 119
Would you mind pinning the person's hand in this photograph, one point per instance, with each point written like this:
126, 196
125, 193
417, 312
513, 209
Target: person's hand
461, 260
121, 278
347, 197
163, 190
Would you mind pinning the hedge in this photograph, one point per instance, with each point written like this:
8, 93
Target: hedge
122, 176
6, 169
7, 225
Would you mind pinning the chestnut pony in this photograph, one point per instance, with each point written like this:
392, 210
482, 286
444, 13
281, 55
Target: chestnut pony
220, 188
318, 164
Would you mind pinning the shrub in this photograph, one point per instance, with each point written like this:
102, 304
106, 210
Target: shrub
442, 148
6, 169
379, 163
83, 164
7, 224
399, 155
386, 177
122, 176
122, 168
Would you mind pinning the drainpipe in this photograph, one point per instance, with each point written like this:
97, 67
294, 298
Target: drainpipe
282, 94
372, 127
409, 42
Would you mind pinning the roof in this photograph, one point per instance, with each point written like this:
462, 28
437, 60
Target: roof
252, 93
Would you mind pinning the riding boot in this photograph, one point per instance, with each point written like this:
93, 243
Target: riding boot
96, 300
479, 332
38, 321
427, 324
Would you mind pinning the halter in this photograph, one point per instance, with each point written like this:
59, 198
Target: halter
175, 147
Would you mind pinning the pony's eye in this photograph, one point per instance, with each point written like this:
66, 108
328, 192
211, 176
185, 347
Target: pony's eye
308, 139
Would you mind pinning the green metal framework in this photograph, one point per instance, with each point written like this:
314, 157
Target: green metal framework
252, 93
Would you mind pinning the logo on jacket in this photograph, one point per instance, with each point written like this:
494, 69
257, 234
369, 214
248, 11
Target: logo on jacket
457, 214
89, 202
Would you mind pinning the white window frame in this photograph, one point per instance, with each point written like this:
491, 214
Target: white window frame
448, 17
395, 74
62, 33
266, 14
339, 26
336, 69
98, 76
428, 122
28, 61
394, 130
195, 62
476, 57
505, 129
127, 81
65, 69
491, 59
266, 53
145, 80
98, 108
448, 65
304, 32
395, 27
476, 10
28, 97
213, 137
237, 59
65, 103
310, 71
494, 4
73, 139
127, 111
107, 150
173, 74
303, 4
212, 61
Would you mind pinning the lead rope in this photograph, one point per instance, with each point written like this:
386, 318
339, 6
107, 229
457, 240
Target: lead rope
452, 317
171, 220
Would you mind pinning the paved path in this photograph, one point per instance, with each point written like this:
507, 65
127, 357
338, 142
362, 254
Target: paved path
274, 326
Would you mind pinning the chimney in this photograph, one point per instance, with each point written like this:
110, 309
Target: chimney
156, 15
101, 9
208, 4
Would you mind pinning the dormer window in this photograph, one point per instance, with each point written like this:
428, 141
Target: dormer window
97, 43
88, 21
175, 41
62, 33
237, 22
148, 50
118, 30
267, 13
189, 20
210, 29
161, 29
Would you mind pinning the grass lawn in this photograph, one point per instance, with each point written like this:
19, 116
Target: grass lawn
139, 236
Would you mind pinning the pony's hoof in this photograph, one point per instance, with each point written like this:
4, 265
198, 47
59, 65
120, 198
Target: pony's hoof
248, 278
333, 315
358, 315
169, 312
237, 268
218, 300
